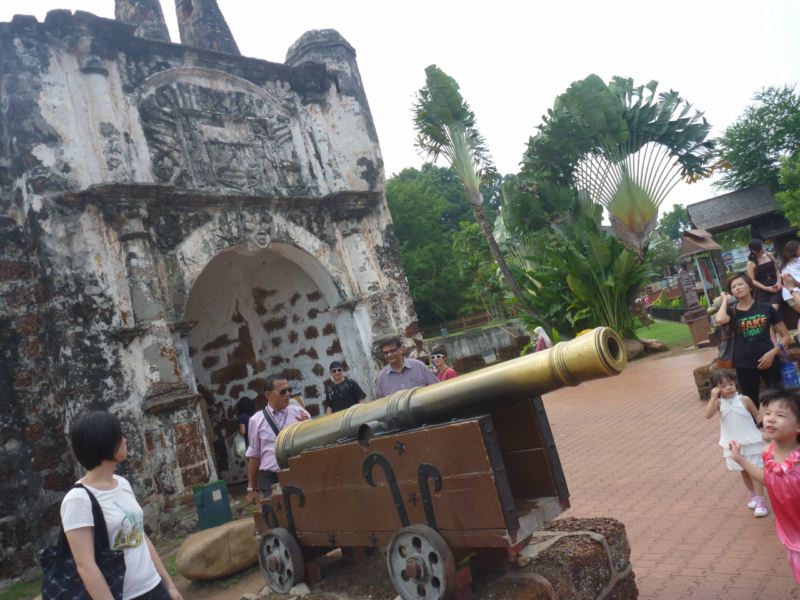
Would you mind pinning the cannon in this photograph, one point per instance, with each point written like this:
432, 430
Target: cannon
465, 467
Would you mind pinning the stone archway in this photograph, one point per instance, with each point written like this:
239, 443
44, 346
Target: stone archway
260, 313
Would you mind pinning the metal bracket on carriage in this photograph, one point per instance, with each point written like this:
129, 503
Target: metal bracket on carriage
288, 492
366, 469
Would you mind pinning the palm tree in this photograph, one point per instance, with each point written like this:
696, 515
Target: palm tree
624, 147
446, 128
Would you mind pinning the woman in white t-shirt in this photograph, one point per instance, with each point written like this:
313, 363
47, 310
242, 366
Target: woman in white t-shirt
99, 446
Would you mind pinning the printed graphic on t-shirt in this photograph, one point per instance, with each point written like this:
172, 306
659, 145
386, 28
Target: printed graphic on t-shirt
130, 532
753, 325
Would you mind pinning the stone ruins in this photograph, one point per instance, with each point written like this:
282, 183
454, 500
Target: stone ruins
177, 221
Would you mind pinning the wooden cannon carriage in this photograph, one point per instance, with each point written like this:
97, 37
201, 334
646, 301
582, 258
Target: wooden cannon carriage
463, 467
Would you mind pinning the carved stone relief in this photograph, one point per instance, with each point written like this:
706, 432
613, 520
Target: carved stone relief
230, 139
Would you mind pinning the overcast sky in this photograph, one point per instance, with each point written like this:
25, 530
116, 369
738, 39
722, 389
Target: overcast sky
512, 59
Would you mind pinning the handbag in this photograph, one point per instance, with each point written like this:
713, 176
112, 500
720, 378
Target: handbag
726, 334
60, 579
239, 445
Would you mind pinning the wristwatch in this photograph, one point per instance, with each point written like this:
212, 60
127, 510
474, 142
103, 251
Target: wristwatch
251, 489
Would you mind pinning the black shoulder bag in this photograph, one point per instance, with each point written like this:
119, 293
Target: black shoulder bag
271, 422
60, 579
727, 335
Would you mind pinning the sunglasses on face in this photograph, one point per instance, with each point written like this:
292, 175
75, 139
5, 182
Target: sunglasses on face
438, 355
336, 370
285, 392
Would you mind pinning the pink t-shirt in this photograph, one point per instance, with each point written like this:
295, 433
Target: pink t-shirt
448, 373
783, 485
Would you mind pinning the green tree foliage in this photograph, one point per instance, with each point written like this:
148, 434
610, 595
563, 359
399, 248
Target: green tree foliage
446, 127
734, 238
612, 146
474, 261
662, 254
753, 147
446, 259
789, 182
622, 145
674, 223
579, 274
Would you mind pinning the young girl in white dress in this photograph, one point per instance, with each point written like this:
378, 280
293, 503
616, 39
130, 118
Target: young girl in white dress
738, 417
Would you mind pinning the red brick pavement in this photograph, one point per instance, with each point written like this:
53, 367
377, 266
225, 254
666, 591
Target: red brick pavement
636, 447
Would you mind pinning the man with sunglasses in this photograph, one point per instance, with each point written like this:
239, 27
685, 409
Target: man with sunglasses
401, 373
263, 429
340, 391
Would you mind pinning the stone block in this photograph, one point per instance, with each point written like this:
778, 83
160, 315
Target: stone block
634, 348
701, 375
11, 270
467, 364
578, 559
219, 551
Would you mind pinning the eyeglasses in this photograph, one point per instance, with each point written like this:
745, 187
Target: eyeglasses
285, 392
336, 370
438, 355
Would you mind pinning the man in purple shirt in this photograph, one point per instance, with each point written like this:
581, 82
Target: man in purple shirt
263, 429
401, 373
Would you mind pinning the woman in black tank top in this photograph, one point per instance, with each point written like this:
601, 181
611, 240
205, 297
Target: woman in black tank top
763, 270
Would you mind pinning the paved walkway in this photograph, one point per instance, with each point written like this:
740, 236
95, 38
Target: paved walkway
636, 447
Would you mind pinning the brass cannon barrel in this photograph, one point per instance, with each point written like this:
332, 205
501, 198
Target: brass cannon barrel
600, 353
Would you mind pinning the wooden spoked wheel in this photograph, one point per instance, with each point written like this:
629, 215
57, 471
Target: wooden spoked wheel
281, 560
421, 564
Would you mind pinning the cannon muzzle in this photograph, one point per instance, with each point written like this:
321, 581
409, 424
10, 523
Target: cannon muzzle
600, 353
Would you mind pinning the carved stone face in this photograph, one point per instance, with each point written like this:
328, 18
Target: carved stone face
257, 232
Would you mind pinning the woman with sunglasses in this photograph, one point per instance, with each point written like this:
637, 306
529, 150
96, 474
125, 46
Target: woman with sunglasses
341, 392
439, 358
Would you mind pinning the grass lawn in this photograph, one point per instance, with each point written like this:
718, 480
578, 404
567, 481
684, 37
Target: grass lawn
674, 335
22, 591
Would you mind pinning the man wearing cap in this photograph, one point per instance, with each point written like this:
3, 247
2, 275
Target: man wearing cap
341, 392
401, 373
263, 429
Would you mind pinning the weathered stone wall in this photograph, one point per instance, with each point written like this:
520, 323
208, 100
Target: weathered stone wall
127, 168
257, 314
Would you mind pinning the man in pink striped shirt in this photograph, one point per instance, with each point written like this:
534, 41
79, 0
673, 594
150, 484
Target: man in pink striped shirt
263, 429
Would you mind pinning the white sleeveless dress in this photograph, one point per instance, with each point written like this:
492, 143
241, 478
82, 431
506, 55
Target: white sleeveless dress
736, 423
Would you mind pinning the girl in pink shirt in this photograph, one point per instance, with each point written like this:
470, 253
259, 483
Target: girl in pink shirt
781, 472
439, 358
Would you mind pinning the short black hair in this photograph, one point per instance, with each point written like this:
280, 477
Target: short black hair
720, 375
791, 396
245, 405
95, 437
439, 350
336, 365
269, 382
393, 340
736, 276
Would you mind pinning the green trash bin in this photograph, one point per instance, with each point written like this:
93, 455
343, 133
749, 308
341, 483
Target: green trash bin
213, 504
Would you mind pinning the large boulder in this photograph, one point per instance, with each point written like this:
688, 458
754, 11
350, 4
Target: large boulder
219, 551
633, 348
